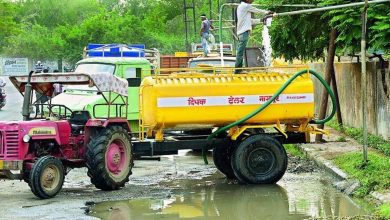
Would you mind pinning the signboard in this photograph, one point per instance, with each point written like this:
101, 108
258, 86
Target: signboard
14, 66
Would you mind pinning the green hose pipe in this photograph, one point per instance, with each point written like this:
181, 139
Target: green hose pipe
266, 104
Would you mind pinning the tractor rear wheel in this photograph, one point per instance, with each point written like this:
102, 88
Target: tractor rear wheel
259, 159
109, 158
222, 157
46, 177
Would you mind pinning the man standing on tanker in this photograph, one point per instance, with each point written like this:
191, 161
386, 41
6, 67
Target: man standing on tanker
244, 27
205, 29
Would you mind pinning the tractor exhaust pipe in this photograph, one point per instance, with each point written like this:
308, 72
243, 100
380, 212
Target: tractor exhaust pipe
27, 98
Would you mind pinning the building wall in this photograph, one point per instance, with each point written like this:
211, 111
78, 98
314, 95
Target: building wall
348, 77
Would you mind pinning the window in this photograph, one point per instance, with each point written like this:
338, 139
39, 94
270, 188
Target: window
95, 68
133, 76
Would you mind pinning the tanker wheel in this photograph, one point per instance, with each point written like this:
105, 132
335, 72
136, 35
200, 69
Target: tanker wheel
109, 158
259, 159
46, 177
222, 157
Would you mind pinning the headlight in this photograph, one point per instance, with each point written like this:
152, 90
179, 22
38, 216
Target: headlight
26, 138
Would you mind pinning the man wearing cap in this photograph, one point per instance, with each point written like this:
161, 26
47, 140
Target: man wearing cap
244, 27
204, 33
38, 67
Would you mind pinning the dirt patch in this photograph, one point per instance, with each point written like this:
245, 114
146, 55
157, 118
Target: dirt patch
301, 165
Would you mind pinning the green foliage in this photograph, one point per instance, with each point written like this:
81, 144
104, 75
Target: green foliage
49, 29
348, 23
50, 14
341, 139
306, 36
33, 41
356, 133
294, 150
8, 22
302, 36
379, 37
374, 176
384, 211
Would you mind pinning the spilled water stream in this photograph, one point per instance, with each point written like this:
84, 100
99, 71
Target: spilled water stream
267, 49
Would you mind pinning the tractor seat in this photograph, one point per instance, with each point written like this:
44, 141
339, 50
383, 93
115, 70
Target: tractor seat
77, 121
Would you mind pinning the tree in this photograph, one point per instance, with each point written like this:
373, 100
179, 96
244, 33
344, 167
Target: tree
8, 22
47, 29
306, 36
344, 26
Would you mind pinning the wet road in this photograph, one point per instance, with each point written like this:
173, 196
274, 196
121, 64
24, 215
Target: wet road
176, 187
303, 196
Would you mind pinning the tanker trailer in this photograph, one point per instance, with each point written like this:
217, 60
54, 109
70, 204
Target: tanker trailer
230, 103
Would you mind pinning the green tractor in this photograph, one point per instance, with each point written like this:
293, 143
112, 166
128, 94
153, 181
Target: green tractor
130, 62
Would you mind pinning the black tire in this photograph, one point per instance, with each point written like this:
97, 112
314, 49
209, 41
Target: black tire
222, 157
103, 173
46, 177
259, 159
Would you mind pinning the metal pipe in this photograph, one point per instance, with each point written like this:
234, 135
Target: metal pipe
237, 4
296, 6
27, 97
364, 81
328, 8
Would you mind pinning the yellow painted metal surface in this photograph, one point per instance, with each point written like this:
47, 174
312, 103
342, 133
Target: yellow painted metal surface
184, 100
181, 54
1, 165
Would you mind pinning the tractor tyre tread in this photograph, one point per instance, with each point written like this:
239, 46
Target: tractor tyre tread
35, 176
95, 160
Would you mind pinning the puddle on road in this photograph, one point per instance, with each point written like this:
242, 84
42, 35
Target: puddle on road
214, 198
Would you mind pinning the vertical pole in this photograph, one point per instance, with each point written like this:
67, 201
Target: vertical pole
364, 82
234, 19
186, 24
193, 17
220, 23
211, 9
329, 68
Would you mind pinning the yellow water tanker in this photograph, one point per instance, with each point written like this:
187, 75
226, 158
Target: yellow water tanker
183, 100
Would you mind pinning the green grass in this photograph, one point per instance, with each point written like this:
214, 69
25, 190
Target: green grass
356, 133
294, 150
384, 211
374, 176
341, 139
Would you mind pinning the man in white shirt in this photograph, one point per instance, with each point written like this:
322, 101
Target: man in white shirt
244, 27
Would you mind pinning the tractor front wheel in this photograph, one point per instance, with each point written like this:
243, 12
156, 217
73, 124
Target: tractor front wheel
46, 177
109, 158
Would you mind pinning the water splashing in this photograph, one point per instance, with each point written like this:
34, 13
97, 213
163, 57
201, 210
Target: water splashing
267, 49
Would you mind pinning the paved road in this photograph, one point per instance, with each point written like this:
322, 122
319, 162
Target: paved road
12, 110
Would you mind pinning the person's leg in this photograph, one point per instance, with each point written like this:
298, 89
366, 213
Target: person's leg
205, 44
38, 101
242, 42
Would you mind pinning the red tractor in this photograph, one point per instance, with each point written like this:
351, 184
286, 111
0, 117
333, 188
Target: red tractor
43, 147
